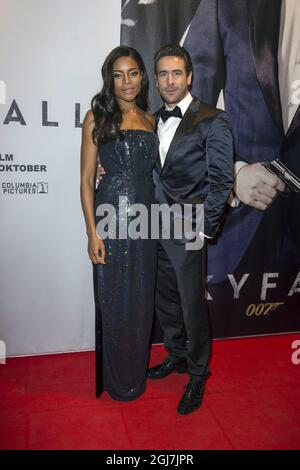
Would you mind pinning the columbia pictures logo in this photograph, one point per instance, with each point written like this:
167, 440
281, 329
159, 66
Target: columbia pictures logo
42, 188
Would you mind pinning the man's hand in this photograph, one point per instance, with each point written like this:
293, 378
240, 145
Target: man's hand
256, 186
100, 172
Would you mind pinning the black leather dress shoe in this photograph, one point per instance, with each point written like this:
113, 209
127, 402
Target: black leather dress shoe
192, 398
166, 368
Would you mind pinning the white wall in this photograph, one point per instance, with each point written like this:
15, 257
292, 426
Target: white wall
49, 51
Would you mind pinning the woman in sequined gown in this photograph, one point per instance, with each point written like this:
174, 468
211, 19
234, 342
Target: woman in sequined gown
119, 132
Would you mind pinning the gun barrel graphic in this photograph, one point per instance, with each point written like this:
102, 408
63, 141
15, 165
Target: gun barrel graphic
277, 168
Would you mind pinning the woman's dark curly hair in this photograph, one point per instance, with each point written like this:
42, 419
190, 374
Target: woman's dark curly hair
105, 108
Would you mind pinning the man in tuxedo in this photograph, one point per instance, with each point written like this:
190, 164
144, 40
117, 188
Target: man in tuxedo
195, 166
251, 50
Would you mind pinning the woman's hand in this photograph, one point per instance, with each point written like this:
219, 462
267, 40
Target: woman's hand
96, 244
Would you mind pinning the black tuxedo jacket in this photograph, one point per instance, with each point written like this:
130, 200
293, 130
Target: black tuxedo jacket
199, 164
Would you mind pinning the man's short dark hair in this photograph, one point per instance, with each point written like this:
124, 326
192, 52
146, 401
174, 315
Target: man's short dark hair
177, 51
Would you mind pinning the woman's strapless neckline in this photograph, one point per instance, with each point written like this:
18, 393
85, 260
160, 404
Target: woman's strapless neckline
137, 130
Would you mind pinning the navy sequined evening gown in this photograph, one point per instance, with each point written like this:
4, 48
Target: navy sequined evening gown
124, 286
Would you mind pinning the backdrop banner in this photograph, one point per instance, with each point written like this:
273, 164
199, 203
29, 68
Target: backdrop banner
51, 55
246, 55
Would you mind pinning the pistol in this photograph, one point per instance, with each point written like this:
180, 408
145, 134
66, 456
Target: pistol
277, 168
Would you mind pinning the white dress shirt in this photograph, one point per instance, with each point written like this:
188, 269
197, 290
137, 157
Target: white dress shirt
167, 129
289, 58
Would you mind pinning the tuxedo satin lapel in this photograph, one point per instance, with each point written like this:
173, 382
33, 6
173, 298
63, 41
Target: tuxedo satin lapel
264, 37
295, 123
185, 124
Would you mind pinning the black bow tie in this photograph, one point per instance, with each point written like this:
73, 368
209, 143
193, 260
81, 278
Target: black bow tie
175, 112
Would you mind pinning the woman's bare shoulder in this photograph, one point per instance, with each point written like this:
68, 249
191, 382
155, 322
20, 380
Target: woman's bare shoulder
89, 119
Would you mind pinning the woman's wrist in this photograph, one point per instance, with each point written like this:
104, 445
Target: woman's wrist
91, 233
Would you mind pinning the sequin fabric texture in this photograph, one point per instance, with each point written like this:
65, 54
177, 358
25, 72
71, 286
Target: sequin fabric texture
124, 286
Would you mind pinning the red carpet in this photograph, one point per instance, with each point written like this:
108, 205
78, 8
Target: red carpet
252, 401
